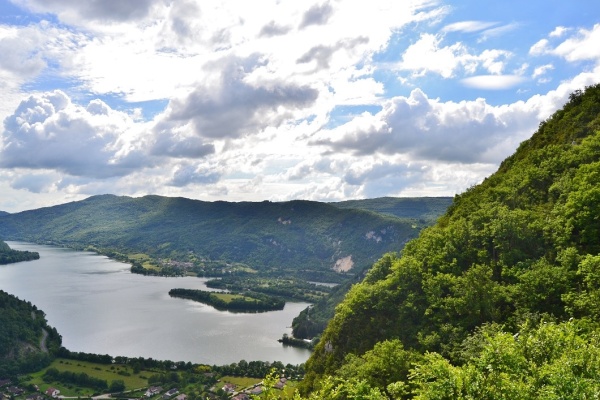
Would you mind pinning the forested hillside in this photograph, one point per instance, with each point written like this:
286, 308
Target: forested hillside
420, 208
289, 236
500, 299
27, 343
8, 255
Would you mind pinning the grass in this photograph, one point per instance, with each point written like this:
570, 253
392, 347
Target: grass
243, 383
100, 371
227, 297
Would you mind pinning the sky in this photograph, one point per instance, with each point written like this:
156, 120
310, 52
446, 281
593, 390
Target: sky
278, 99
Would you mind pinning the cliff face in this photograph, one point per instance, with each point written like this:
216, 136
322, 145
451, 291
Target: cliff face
521, 246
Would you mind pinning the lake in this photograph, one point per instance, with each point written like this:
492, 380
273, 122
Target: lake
98, 306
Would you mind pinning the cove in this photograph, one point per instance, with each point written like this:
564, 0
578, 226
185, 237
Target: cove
98, 306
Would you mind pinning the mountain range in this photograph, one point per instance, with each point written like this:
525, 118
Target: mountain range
283, 236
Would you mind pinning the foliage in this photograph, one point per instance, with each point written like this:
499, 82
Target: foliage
297, 238
244, 302
522, 245
8, 255
548, 361
21, 331
286, 288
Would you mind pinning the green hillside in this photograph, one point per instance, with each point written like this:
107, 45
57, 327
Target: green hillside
499, 299
27, 343
8, 255
423, 208
287, 237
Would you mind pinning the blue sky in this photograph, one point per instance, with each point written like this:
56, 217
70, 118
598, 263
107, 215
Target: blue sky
277, 100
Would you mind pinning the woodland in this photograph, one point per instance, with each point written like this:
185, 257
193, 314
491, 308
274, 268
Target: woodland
499, 299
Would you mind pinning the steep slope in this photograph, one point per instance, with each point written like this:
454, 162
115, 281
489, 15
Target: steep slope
27, 343
521, 246
289, 235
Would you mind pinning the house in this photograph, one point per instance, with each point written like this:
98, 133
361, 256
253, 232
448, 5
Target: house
15, 391
281, 383
36, 396
229, 388
170, 394
241, 396
52, 392
181, 397
4, 382
152, 390
256, 390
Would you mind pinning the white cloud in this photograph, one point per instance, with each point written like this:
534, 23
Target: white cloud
468, 26
427, 129
493, 82
427, 55
558, 31
581, 46
542, 70
48, 132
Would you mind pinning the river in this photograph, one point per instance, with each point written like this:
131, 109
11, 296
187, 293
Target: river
98, 306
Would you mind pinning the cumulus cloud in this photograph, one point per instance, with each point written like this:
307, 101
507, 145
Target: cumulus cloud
428, 55
581, 46
234, 107
47, 131
427, 129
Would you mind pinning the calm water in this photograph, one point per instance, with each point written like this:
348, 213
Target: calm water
98, 306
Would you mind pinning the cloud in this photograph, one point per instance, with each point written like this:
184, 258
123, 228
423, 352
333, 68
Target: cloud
558, 31
323, 54
317, 15
34, 183
493, 82
191, 174
427, 55
468, 26
47, 131
542, 70
273, 29
581, 46
234, 107
74, 11
426, 129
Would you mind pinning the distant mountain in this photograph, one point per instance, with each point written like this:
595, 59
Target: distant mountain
2, 213
285, 236
423, 208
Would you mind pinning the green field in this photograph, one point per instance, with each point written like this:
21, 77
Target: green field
100, 371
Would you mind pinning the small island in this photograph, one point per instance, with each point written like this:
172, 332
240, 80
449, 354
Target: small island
9, 256
238, 302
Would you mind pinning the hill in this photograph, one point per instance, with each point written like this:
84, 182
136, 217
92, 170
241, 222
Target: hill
305, 238
27, 343
8, 255
495, 299
420, 208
